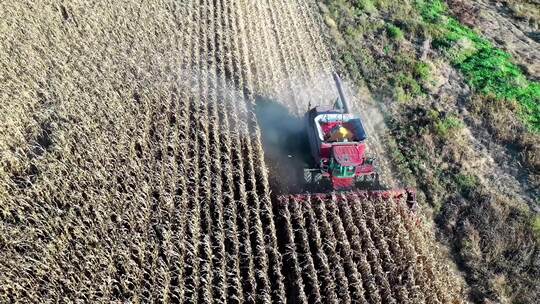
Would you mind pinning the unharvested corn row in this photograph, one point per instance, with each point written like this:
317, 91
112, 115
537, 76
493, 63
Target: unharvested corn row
132, 169
371, 245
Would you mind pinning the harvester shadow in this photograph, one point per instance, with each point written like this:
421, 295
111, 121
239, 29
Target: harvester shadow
285, 144
286, 154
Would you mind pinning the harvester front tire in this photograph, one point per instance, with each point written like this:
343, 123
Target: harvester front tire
308, 176
316, 177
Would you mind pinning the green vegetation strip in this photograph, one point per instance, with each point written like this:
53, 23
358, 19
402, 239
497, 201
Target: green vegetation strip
487, 69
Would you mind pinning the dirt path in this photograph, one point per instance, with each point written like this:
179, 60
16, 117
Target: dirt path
495, 22
498, 166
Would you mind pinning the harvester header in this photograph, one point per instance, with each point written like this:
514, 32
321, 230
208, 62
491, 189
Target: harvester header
338, 145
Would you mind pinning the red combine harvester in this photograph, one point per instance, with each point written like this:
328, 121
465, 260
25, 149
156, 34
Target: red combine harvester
337, 143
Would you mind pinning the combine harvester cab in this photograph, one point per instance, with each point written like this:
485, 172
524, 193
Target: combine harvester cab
337, 140
337, 144
342, 162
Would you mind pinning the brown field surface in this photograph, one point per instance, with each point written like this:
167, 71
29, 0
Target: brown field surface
350, 248
132, 167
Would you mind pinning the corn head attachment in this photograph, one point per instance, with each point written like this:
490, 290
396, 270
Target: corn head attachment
406, 195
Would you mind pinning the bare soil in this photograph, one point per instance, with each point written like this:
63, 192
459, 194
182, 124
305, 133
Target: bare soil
496, 22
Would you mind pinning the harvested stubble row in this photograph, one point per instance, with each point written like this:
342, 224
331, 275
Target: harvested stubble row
348, 248
131, 165
131, 160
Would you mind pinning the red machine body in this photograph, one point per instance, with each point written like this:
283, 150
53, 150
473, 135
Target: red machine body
342, 161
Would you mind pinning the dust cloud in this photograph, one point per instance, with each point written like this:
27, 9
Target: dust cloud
285, 144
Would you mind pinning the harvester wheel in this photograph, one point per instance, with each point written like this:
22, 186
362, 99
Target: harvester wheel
308, 176
312, 176
370, 181
316, 177
377, 180
370, 161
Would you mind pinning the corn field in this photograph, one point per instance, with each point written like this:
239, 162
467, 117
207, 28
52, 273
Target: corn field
350, 248
132, 169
